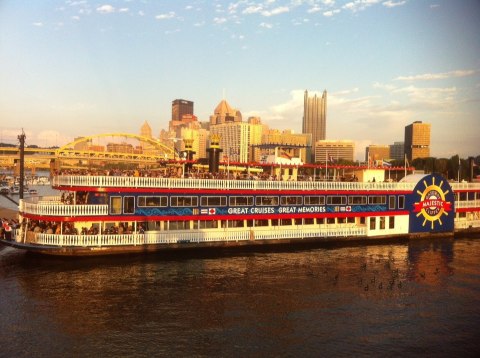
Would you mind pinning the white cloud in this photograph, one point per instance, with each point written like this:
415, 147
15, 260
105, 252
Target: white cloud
76, 18
123, 9
359, 5
141, 13
437, 76
219, 20
105, 9
314, 9
266, 25
169, 15
391, 3
330, 13
276, 11
38, 24
254, 9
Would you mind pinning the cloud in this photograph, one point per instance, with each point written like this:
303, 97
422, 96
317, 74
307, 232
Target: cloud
219, 20
169, 15
277, 11
359, 5
38, 24
437, 76
314, 9
391, 3
331, 12
105, 9
123, 9
253, 9
266, 25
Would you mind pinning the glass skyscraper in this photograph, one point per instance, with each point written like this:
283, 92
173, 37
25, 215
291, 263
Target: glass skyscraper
315, 116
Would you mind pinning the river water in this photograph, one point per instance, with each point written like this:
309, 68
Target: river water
410, 299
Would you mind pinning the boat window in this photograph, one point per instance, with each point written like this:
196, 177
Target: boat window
235, 223
213, 201
391, 222
291, 200
115, 205
266, 200
128, 204
341, 220
309, 221
372, 223
377, 200
330, 220
241, 200
178, 225
261, 222
274, 222
336, 200
314, 200
357, 200
157, 201
382, 222
351, 220
391, 202
401, 201
207, 224
184, 201
321, 221
285, 222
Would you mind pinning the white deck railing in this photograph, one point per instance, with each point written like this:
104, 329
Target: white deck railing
200, 236
61, 209
467, 204
220, 184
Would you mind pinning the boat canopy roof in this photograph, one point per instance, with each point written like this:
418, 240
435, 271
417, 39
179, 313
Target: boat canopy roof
412, 178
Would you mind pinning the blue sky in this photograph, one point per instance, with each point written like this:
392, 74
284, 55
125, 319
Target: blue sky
72, 68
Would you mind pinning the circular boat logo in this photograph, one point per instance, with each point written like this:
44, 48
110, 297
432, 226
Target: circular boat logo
433, 204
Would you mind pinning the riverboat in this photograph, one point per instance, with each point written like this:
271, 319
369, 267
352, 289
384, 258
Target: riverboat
120, 214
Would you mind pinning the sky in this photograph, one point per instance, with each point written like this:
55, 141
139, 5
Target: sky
79, 68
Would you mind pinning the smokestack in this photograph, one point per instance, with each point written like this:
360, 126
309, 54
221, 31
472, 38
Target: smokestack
214, 153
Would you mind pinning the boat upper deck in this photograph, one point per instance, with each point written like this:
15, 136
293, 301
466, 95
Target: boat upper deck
99, 181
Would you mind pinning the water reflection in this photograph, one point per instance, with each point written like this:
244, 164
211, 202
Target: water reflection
347, 300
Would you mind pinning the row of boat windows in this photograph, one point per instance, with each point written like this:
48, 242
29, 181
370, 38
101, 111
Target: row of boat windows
374, 224
267, 200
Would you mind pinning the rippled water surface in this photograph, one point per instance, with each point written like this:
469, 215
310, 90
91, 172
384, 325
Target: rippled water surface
421, 298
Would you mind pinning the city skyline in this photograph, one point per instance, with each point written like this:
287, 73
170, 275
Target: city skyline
74, 68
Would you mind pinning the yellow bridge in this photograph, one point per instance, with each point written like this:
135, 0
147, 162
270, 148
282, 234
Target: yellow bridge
81, 153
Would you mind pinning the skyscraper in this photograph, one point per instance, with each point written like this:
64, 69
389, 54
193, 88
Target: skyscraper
180, 107
417, 140
315, 116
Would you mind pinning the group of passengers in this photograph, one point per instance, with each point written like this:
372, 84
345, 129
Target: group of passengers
69, 198
197, 174
8, 225
40, 226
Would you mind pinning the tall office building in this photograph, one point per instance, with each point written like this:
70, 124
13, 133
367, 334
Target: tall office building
397, 150
417, 140
315, 116
375, 152
181, 107
224, 113
333, 150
